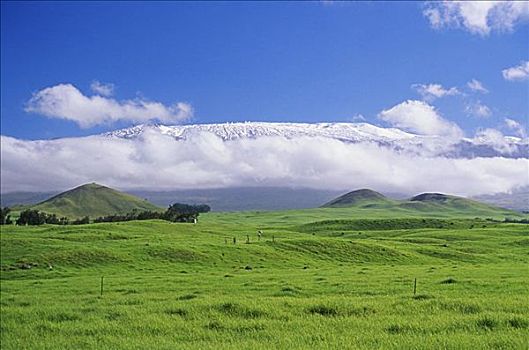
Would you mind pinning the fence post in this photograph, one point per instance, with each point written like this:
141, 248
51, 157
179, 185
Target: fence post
415, 286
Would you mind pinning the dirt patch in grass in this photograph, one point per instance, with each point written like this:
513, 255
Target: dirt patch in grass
518, 322
176, 312
398, 329
187, 297
323, 310
460, 307
237, 310
63, 317
214, 326
487, 323
449, 280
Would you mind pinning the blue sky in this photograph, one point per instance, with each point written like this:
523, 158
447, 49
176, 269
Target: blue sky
301, 62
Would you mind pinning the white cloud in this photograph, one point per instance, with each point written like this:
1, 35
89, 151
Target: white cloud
65, 101
420, 117
103, 89
517, 73
519, 129
478, 17
157, 161
494, 138
430, 92
476, 85
478, 109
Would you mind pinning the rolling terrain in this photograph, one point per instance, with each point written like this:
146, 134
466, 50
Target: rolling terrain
317, 278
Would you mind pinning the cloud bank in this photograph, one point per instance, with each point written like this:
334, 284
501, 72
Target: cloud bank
477, 17
65, 101
157, 161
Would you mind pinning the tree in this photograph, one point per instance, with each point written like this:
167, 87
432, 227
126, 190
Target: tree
64, 221
5, 219
179, 212
81, 221
31, 217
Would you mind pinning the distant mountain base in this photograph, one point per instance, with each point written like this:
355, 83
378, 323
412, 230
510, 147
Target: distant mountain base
259, 198
220, 199
517, 200
243, 198
24, 198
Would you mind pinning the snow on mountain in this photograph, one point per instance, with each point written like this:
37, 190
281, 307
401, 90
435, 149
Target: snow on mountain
507, 146
352, 132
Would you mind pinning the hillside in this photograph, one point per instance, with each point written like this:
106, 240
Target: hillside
422, 204
363, 197
93, 200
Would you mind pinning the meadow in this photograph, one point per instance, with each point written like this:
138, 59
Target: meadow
319, 278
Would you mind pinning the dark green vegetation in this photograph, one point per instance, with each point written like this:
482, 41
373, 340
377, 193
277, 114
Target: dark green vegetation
93, 200
5, 217
320, 278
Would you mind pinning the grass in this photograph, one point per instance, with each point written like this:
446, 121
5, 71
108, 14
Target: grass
303, 285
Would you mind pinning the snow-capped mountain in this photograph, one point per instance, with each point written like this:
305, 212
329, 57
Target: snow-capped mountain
351, 132
396, 139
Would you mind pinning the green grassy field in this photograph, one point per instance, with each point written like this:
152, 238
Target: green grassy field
346, 282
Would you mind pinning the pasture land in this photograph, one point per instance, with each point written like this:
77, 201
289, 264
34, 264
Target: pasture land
322, 278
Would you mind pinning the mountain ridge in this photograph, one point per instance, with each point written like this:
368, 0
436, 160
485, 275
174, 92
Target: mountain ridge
393, 138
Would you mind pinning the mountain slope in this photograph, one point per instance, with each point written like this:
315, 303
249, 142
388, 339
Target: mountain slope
93, 200
364, 197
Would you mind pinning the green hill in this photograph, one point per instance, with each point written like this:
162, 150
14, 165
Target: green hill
431, 202
422, 204
93, 200
363, 197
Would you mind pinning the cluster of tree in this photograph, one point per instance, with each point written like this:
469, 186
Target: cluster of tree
81, 221
184, 213
175, 213
5, 218
35, 217
517, 221
134, 215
